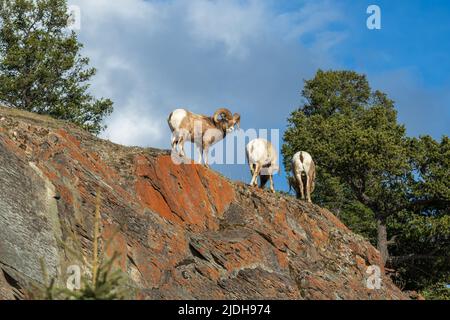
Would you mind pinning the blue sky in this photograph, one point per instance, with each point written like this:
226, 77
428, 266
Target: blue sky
252, 57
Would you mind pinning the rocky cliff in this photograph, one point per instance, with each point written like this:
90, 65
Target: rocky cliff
183, 231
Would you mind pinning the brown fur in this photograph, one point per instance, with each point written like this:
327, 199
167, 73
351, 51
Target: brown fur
218, 124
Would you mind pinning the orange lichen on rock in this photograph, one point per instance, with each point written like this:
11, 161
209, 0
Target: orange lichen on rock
189, 196
182, 231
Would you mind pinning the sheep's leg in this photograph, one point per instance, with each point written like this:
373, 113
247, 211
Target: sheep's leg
300, 182
308, 186
205, 150
181, 146
271, 184
252, 169
257, 173
173, 143
254, 181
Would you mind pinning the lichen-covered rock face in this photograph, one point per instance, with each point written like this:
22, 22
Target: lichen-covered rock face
182, 231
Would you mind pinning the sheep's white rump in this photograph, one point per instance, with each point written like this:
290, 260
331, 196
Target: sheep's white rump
262, 158
302, 166
302, 162
176, 118
258, 152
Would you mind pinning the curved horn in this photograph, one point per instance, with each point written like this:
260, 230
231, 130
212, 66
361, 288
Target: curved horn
221, 111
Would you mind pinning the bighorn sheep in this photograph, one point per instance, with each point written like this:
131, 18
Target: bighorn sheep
202, 130
262, 159
303, 164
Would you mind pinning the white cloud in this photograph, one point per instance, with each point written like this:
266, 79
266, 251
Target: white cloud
155, 56
312, 17
226, 22
129, 125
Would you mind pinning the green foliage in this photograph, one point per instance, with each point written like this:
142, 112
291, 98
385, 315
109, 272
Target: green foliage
109, 284
421, 250
423, 230
371, 174
360, 219
437, 291
41, 69
431, 162
359, 151
341, 91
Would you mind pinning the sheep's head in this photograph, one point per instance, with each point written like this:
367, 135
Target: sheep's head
226, 121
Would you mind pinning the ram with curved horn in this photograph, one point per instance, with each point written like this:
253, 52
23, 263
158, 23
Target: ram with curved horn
201, 130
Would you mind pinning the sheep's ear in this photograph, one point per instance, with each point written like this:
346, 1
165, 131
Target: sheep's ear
237, 119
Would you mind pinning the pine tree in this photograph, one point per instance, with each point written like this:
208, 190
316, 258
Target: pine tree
389, 187
41, 68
